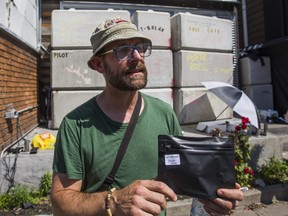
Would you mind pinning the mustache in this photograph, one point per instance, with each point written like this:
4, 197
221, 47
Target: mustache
139, 67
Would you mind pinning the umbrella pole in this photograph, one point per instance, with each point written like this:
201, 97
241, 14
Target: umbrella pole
222, 112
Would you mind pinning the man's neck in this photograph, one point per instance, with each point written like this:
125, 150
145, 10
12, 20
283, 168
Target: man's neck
118, 105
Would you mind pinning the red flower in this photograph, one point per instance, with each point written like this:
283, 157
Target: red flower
246, 170
237, 128
245, 120
244, 126
235, 163
251, 172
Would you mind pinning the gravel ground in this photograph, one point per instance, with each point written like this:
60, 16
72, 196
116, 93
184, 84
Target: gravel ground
41, 209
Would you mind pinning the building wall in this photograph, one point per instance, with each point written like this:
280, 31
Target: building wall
21, 18
18, 87
255, 22
18, 68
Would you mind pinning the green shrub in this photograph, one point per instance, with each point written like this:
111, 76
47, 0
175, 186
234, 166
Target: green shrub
17, 195
45, 184
274, 172
21, 194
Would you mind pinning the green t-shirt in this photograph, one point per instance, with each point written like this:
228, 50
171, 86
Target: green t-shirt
88, 140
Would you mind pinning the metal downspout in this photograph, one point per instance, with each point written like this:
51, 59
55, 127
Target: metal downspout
244, 20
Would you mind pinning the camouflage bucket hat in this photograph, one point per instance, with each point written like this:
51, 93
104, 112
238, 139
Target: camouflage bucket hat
113, 30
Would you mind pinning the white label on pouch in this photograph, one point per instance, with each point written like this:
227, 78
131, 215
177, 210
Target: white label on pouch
172, 159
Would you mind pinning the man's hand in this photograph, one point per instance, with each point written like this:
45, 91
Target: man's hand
227, 201
142, 197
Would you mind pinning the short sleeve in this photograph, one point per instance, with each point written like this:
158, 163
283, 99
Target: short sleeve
67, 158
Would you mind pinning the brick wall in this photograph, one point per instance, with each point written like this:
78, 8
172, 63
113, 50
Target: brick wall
18, 86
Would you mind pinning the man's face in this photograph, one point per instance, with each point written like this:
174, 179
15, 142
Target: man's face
125, 74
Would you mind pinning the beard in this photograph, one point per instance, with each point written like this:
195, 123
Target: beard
124, 80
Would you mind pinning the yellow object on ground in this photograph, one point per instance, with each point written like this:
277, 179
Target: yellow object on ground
44, 140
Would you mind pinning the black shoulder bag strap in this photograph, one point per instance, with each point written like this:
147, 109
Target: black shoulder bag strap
124, 144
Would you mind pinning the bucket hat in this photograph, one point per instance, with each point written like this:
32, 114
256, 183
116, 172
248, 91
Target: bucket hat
113, 30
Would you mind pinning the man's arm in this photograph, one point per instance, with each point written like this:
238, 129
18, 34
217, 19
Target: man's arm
142, 197
67, 199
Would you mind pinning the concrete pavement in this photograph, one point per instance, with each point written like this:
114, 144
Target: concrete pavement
277, 208
269, 200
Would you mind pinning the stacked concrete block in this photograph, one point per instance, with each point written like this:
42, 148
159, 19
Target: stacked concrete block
190, 31
160, 69
71, 78
72, 65
20, 17
256, 81
202, 48
73, 28
261, 95
69, 70
164, 94
155, 25
255, 72
193, 67
193, 105
203, 56
65, 101
3, 12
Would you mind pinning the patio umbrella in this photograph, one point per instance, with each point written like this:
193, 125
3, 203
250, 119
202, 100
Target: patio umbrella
236, 99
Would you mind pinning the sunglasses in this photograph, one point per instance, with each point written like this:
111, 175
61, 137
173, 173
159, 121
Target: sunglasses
127, 52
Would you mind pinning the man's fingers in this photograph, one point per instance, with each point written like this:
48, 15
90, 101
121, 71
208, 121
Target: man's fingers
227, 201
226, 204
162, 188
147, 196
212, 208
237, 186
231, 194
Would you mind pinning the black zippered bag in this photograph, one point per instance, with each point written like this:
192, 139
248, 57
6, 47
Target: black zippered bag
196, 166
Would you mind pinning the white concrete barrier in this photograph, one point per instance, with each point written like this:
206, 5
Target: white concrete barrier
165, 94
69, 69
155, 25
193, 105
261, 95
20, 17
73, 28
62, 102
193, 67
255, 72
160, 69
190, 31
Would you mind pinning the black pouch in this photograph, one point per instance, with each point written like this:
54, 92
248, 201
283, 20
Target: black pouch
196, 166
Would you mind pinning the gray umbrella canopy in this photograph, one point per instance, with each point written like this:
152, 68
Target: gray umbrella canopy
236, 99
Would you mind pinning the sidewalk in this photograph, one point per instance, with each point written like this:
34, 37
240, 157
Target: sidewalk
270, 200
277, 208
